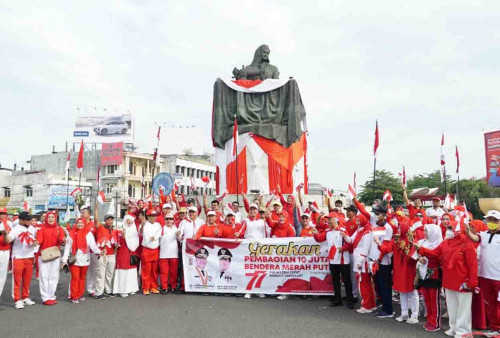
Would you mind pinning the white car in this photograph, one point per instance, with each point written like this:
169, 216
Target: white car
111, 127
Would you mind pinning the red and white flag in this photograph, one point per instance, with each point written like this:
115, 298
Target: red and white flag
458, 159
376, 143
79, 162
101, 197
351, 192
193, 187
327, 192
158, 134
449, 203
67, 162
443, 161
403, 177
75, 191
387, 196
221, 197
235, 137
299, 187
26, 206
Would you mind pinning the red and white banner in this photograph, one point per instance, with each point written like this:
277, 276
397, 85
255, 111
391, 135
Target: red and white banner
255, 86
270, 266
492, 152
112, 153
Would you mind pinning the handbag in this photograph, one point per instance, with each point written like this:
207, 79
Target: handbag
50, 254
134, 260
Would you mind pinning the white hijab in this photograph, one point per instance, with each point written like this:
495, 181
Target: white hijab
433, 239
130, 231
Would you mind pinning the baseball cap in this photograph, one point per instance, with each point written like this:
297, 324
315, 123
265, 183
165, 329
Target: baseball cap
352, 208
305, 215
253, 206
24, 216
151, 212
379, 209
169, 215
109, 216
192, 209
436, 199
276, 202
230, 213
493, 213
183, 209
167, 205
211, 213
191, 200
3, 210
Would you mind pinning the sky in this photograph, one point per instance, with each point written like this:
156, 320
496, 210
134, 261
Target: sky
419, 68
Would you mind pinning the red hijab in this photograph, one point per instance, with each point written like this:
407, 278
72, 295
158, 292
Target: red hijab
79, 237
361, 232
46, 222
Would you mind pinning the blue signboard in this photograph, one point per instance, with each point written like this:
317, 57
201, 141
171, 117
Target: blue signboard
166, 181
58, 197
81, 134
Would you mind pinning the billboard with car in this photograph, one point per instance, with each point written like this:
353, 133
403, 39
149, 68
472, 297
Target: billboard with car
104, 128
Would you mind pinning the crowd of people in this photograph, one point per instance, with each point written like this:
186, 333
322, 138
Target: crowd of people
409, 254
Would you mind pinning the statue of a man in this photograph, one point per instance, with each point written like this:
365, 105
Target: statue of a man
260, 68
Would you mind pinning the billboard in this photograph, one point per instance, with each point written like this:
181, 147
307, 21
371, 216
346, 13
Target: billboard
58, 197
492, 152
104, 128
112, 153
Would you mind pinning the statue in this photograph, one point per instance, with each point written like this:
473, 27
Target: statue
259, 69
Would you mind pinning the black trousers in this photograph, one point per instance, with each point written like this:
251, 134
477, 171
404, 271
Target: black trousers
384, 286
345, 270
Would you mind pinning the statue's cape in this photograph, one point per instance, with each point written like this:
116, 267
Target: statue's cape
271, 108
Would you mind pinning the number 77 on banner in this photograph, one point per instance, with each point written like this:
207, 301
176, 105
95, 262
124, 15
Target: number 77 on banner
257, 276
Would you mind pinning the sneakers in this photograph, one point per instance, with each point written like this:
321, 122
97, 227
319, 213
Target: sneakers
154, 291
28, 301
492, 333
49, 302
19, 304
363, 310
109, 294
145, 292
412, 321
75, 301
163, 292
383, 314
430, 328
123, 295
282, 297
100, 297
449, 333
82, 299
247, 296
261, 295
402, 318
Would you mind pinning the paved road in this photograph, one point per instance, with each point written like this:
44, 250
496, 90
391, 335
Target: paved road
192, 316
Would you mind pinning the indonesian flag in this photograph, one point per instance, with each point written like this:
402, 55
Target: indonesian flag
351, 192
299, 187
221, 197
75, 191
327, 192
375, 145
387, 196
176, 186
193, 187
379, 231
67, 167
79, 163
235, 137
458, 159
26, 206
101, 197
403, 177
443, 162
449, 203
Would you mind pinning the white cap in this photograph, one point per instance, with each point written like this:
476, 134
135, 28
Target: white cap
169, 215
192, 209
230, 212
306, 214
167, 205
493, 213
253, 206
211, 213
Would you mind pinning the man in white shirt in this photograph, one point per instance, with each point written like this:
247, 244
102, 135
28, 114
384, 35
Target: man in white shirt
189, 227
169, 252
253, 227
435, 209
151, 234
23, 242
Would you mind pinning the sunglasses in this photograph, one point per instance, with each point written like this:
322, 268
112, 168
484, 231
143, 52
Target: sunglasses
419, 215
171, 219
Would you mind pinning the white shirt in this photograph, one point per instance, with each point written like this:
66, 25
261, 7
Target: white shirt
361, 251
439, 211
374, 250
189, 228
22, 250
168, 243
489, 255
255, 229
151, 230
82, 259
333, 238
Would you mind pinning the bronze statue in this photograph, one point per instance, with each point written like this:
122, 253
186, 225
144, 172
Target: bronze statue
260, 68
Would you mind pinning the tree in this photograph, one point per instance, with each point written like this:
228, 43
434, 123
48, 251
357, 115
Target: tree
385, 180
432, 180
471, 190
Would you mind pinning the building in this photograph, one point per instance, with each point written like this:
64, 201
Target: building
5, 186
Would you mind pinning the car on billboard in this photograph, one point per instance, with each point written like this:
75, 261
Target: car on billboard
111, 127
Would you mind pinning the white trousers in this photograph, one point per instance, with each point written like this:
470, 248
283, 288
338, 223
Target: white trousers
91, 274
48, 278
4, 267
409, 301
354, 282
459, 312
105, 273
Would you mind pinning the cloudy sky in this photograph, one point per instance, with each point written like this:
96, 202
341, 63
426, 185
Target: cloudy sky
421, 68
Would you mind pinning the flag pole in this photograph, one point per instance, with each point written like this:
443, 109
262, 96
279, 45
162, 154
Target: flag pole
375, 149
374, 173
67, 188
236, 160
